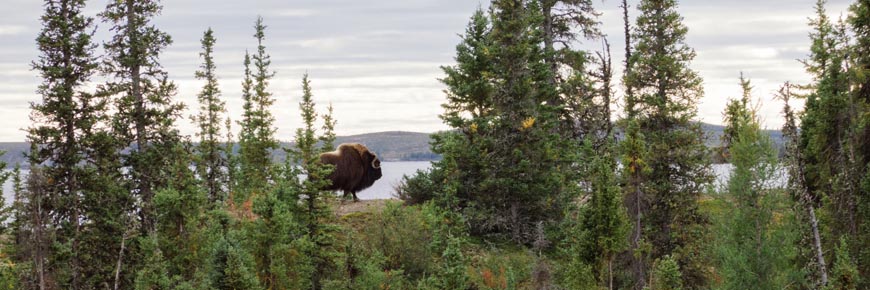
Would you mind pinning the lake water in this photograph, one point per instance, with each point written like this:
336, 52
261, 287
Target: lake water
382, 189
393, 172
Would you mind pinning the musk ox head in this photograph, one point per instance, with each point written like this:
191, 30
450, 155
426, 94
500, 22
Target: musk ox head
356, 168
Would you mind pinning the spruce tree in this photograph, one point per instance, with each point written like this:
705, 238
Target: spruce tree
8, 214
316, 211
666, 91
564, 25
211, 166
825, 124
750, 246
468, 109
146, 113
67, 135
231, 264
602, 229
172, 251
844, 272
528, 161
505, 165
859, 21
735, 110
633, 156
257, 140
810, 249
35, 240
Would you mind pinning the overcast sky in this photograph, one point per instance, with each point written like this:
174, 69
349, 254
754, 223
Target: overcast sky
378, 61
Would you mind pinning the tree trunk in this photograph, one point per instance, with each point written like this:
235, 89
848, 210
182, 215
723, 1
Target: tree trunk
803, 197
120, 261
818, 243
139, 168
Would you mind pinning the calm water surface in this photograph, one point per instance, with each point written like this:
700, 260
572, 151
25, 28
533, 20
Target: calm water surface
393, 172
383, 188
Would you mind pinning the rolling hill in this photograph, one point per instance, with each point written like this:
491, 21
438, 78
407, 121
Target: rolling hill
390, 146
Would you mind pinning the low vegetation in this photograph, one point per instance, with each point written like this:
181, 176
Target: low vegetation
536, 187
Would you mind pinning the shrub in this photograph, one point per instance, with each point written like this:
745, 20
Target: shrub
418, 188
402, 234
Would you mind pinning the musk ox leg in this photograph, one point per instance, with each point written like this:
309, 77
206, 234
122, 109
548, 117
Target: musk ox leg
355, 199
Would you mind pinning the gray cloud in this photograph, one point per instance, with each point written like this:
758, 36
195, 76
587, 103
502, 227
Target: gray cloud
378, 61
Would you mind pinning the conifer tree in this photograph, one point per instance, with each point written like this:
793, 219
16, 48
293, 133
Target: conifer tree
8, 214
231, 265
751, 249
211, 166
527, 159
468, 108
508, 142
317, 214
844, 273
859, 143
173, 247
735, 110
602, 230
633, 155
257, 140
146, 114
666, 275
810, 251
66, 133
825, 124
664, 105
564, 24
35, 242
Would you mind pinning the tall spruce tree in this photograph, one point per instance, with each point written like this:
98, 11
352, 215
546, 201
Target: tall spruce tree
825, 126
146, 113
528, 161
68, 139
859, 143
666, 91
810, 252
468, 108
317, 213
633, 156
212, 155
505, 165
256, 139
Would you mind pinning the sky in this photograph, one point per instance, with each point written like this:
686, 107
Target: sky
378, 61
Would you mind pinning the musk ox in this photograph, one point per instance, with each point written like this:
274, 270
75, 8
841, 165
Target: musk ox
356, 168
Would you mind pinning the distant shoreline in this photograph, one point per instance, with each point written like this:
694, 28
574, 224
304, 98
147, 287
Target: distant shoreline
391, 146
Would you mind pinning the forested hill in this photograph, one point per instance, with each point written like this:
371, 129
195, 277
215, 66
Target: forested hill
390, 146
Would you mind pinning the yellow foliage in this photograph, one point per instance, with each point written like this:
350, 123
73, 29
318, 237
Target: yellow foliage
528, 123
473, 128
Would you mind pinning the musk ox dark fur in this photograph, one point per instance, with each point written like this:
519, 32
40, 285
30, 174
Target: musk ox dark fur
356, 168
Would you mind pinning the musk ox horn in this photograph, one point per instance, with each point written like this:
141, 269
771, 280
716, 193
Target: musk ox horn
375, 166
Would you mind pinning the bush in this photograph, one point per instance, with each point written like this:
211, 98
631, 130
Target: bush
402, 234
666, 275
500, 268
423, 243
418, 188
369, 274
